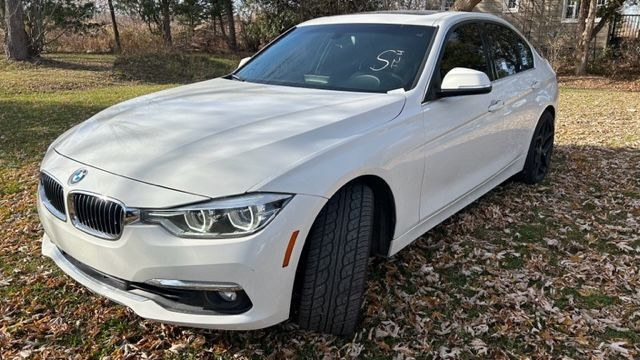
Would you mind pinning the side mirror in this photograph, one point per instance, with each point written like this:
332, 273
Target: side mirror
243, 61
462, 81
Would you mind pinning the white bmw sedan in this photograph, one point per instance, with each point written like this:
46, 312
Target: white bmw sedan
242, 201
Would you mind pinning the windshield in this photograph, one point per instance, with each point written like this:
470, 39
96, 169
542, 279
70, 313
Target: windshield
351, 57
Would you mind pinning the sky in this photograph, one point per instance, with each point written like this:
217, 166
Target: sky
631, 7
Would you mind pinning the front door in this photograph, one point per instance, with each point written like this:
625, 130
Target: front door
466, 145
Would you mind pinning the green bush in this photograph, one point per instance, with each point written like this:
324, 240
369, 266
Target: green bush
165, 68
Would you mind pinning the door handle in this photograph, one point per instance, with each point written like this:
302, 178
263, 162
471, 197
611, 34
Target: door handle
496, 105
535, 84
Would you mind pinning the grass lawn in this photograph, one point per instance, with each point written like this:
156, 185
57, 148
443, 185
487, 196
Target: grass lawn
543, 272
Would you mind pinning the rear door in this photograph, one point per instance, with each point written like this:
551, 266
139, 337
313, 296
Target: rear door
515, 85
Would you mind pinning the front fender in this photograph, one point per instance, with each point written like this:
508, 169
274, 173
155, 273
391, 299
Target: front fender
392, 152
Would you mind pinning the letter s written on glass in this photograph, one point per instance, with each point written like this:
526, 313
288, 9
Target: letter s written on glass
388, 59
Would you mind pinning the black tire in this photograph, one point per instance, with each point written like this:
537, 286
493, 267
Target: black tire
334, 264
538, 160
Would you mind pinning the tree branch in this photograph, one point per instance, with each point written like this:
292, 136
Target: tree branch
465, 5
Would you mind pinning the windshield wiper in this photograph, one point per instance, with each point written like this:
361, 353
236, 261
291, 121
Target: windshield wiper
236, 77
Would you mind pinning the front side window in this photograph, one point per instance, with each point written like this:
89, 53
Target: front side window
509, 51
464, 48
351, 57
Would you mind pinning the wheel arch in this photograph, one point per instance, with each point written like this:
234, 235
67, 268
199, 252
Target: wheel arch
384, 213
550, 109
384, 208
384, 226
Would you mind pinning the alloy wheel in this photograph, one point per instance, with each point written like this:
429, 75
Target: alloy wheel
543, 148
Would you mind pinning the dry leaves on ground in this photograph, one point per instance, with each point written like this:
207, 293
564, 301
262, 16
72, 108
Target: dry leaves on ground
546, 271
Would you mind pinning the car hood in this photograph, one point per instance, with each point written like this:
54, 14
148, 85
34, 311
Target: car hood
220, 137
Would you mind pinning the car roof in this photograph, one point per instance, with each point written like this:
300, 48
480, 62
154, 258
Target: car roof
408, 17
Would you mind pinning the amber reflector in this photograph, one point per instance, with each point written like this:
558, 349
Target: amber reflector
292, 242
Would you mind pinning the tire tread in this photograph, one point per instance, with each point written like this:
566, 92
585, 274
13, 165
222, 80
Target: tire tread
335, 262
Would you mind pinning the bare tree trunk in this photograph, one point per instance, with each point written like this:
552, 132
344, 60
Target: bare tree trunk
36, 30
542, 21
116, 34
222, 30
585, 40
16, 41
465, 5
233, 44
166, 22
2, 23
583, 12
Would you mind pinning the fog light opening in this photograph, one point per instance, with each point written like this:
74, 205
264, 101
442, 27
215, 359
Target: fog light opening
229, 296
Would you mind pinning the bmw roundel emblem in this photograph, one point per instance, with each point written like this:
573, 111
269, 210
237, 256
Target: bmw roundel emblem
77, 176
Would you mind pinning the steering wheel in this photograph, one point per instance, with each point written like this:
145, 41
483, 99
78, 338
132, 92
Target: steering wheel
398, 78
365, 80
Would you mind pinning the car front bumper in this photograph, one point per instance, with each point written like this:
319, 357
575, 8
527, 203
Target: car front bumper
146, 252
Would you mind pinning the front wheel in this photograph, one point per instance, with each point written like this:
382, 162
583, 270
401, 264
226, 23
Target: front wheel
334, 264
538, 160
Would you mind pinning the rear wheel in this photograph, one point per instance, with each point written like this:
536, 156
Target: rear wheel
334, 265
538, 160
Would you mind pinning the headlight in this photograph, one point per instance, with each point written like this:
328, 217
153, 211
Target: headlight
223, 218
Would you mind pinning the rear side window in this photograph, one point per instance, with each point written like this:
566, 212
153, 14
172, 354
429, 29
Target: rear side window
509, 51
464, 48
